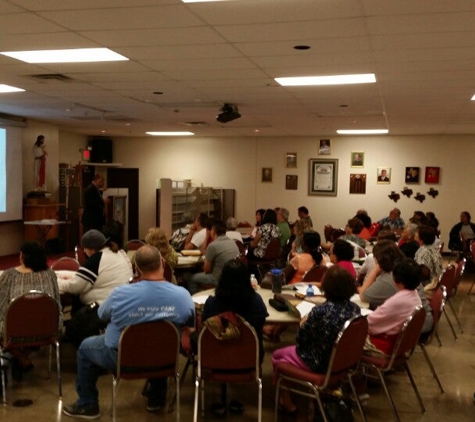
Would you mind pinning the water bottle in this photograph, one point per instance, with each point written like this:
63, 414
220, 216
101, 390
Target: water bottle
277, 280
254, 282
310, 291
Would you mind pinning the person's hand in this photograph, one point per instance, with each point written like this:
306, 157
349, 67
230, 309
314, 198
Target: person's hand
107, 200
303, 320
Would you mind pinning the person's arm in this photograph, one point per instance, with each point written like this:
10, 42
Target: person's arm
368, 282
207, 267
84, 278
256, 240
188, 244
104, 311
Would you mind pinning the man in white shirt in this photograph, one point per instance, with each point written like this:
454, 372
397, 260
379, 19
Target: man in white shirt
197, 234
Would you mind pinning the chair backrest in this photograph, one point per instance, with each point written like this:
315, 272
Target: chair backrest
31, 320
316, 273
408, 336
336, 233
273, 249
447, 279
361, 252
348, 347
459, 271
437, 303
148, 350
440, 248
327, 231
79, 254
167, 271
65, 264
242, 248
134, 244
229, 359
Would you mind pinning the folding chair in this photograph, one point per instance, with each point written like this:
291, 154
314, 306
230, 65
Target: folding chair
316, 273
227, 361
31, 320
79, 254
405, 344
148, 350
345, 356
449, 281
437, 303
65, 264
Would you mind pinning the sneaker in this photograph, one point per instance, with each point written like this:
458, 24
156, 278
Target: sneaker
154, 405
85, 412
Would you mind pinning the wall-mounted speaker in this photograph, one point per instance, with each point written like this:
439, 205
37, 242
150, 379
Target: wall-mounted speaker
101, 150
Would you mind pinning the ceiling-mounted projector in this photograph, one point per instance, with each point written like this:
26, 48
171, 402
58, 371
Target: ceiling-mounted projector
229, 113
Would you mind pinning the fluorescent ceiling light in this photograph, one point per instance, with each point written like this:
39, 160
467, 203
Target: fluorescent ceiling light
473, 98
364, 78
170, 133
200, 1
75, 55
362, 131
8, 88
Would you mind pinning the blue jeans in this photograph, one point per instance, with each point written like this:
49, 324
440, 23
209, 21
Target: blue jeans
201, 278
93, 357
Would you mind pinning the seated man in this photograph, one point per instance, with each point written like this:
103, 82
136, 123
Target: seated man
220, 250
197, 234
303, 215
122, 308
393, 222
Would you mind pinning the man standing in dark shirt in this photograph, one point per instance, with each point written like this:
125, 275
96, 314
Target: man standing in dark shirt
93, 215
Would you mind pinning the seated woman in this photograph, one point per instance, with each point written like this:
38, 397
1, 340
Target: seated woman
462, 233
378, 285
408, 244
259, 216
265, 233
302, 262
385, 323
106, 268
157, 237
235, 293
318, 331
352, 232
366, 220
32, 274
428, 256
300, 228
341, 254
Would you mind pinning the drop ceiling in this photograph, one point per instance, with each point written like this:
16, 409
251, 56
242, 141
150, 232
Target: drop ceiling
187, 60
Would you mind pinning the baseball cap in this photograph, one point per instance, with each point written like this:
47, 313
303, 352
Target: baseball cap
93, 239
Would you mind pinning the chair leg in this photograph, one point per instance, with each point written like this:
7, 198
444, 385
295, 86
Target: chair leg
450, 323
321, 407
437, 337
429, 362
58, 369
276, 407
455, 315
114, 397
259, 404
202, 398
355, 394
3, 368
388, 395
177, 395
471, 287
414, 386
195, 404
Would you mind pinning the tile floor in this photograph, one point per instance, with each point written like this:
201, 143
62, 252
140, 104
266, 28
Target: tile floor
454, 362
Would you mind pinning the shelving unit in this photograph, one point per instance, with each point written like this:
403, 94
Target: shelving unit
175, 198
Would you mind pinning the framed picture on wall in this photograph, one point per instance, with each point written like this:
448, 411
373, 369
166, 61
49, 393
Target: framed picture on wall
291, 182
324, 147
412, 174
266, 174
384, 175
432, 174
323, 177
291, 160
357, 159
358, 183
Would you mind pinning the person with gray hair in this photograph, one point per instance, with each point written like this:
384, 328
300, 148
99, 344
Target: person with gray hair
283, 225
151, 299
408, 243
231, 226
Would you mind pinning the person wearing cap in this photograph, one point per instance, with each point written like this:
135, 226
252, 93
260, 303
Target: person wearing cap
106, 268
124, 307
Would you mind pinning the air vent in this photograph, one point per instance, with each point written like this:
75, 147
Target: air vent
52, 77
199, 124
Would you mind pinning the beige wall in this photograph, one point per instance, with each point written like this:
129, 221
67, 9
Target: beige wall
236, 163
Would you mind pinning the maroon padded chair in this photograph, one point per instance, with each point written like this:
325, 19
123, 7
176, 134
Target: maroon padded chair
227, 361
31, 320
437, 303
449, 281
345, 356
148, 350
406, 342
65, 264
315, 274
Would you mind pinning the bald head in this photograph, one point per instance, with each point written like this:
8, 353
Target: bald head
148, 260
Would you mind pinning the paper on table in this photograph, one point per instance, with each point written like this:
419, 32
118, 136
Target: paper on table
365, 311
201, 299
304, 308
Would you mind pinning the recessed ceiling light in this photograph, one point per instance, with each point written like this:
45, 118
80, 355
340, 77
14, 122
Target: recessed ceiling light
170, 133
74, 55
364, 78
8, 88
302, 47
362, 131
473, 98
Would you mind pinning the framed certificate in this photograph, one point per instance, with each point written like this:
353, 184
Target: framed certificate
323, 177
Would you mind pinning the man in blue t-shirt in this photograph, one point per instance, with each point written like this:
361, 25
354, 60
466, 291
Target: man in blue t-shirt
153, 298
